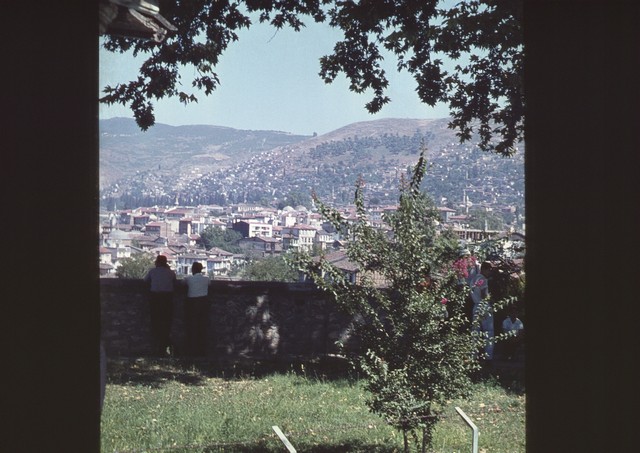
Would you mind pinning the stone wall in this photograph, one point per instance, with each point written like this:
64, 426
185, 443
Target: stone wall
252, 319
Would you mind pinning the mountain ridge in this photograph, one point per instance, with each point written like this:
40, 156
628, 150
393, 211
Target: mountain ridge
126, 150
267, 167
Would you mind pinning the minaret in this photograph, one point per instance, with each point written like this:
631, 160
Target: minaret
465, 200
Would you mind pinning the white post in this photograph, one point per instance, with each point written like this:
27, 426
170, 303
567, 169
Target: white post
284, 439
474, 428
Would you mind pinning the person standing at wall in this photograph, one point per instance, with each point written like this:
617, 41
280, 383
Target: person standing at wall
512, 324
196, 311
482, 309
161, 280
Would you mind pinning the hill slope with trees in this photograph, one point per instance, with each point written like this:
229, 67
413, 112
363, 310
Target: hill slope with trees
380, 151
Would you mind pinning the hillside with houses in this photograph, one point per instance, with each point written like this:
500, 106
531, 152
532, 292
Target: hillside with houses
168, 168
176, 232
161, 191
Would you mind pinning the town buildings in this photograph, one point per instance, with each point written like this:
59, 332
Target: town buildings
176, 233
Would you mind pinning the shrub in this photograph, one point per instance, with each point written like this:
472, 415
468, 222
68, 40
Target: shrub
408, 302
135, 266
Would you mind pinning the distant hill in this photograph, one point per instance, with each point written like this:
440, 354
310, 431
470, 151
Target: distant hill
218, 165
393, 126
176, 150
369, 143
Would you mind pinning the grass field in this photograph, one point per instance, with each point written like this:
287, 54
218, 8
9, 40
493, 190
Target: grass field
185, 407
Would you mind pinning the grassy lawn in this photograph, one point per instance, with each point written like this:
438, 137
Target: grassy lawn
189, 407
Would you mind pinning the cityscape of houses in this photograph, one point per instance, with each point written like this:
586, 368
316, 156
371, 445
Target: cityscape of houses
176, 233
168, 199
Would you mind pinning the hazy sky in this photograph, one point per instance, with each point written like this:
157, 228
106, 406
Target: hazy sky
269, 81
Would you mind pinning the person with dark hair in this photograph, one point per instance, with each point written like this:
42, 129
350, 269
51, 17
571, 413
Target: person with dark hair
513, 325
161, 280
196, 311
482, 309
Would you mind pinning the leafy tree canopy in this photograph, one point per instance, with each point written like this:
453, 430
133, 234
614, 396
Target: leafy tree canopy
270, 269
481, 219
224, 239
484, 38
136, 266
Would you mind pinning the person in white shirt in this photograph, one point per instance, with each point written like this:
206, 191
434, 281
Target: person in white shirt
512, 324
196, 311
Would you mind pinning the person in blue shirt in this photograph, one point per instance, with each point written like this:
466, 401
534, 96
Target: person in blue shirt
161, 281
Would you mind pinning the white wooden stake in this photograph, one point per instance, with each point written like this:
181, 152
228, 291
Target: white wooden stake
474, 444
284, 439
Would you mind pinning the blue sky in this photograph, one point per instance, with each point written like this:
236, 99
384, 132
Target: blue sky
269, 81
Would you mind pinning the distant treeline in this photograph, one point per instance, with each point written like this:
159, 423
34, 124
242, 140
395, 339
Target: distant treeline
362, 146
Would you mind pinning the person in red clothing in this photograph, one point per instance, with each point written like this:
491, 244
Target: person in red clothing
482, 308
161, 280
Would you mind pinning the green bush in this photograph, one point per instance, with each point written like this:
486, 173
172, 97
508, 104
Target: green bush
408, 301
271, 268
135, 266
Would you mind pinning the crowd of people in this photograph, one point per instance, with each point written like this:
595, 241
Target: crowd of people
483, 316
